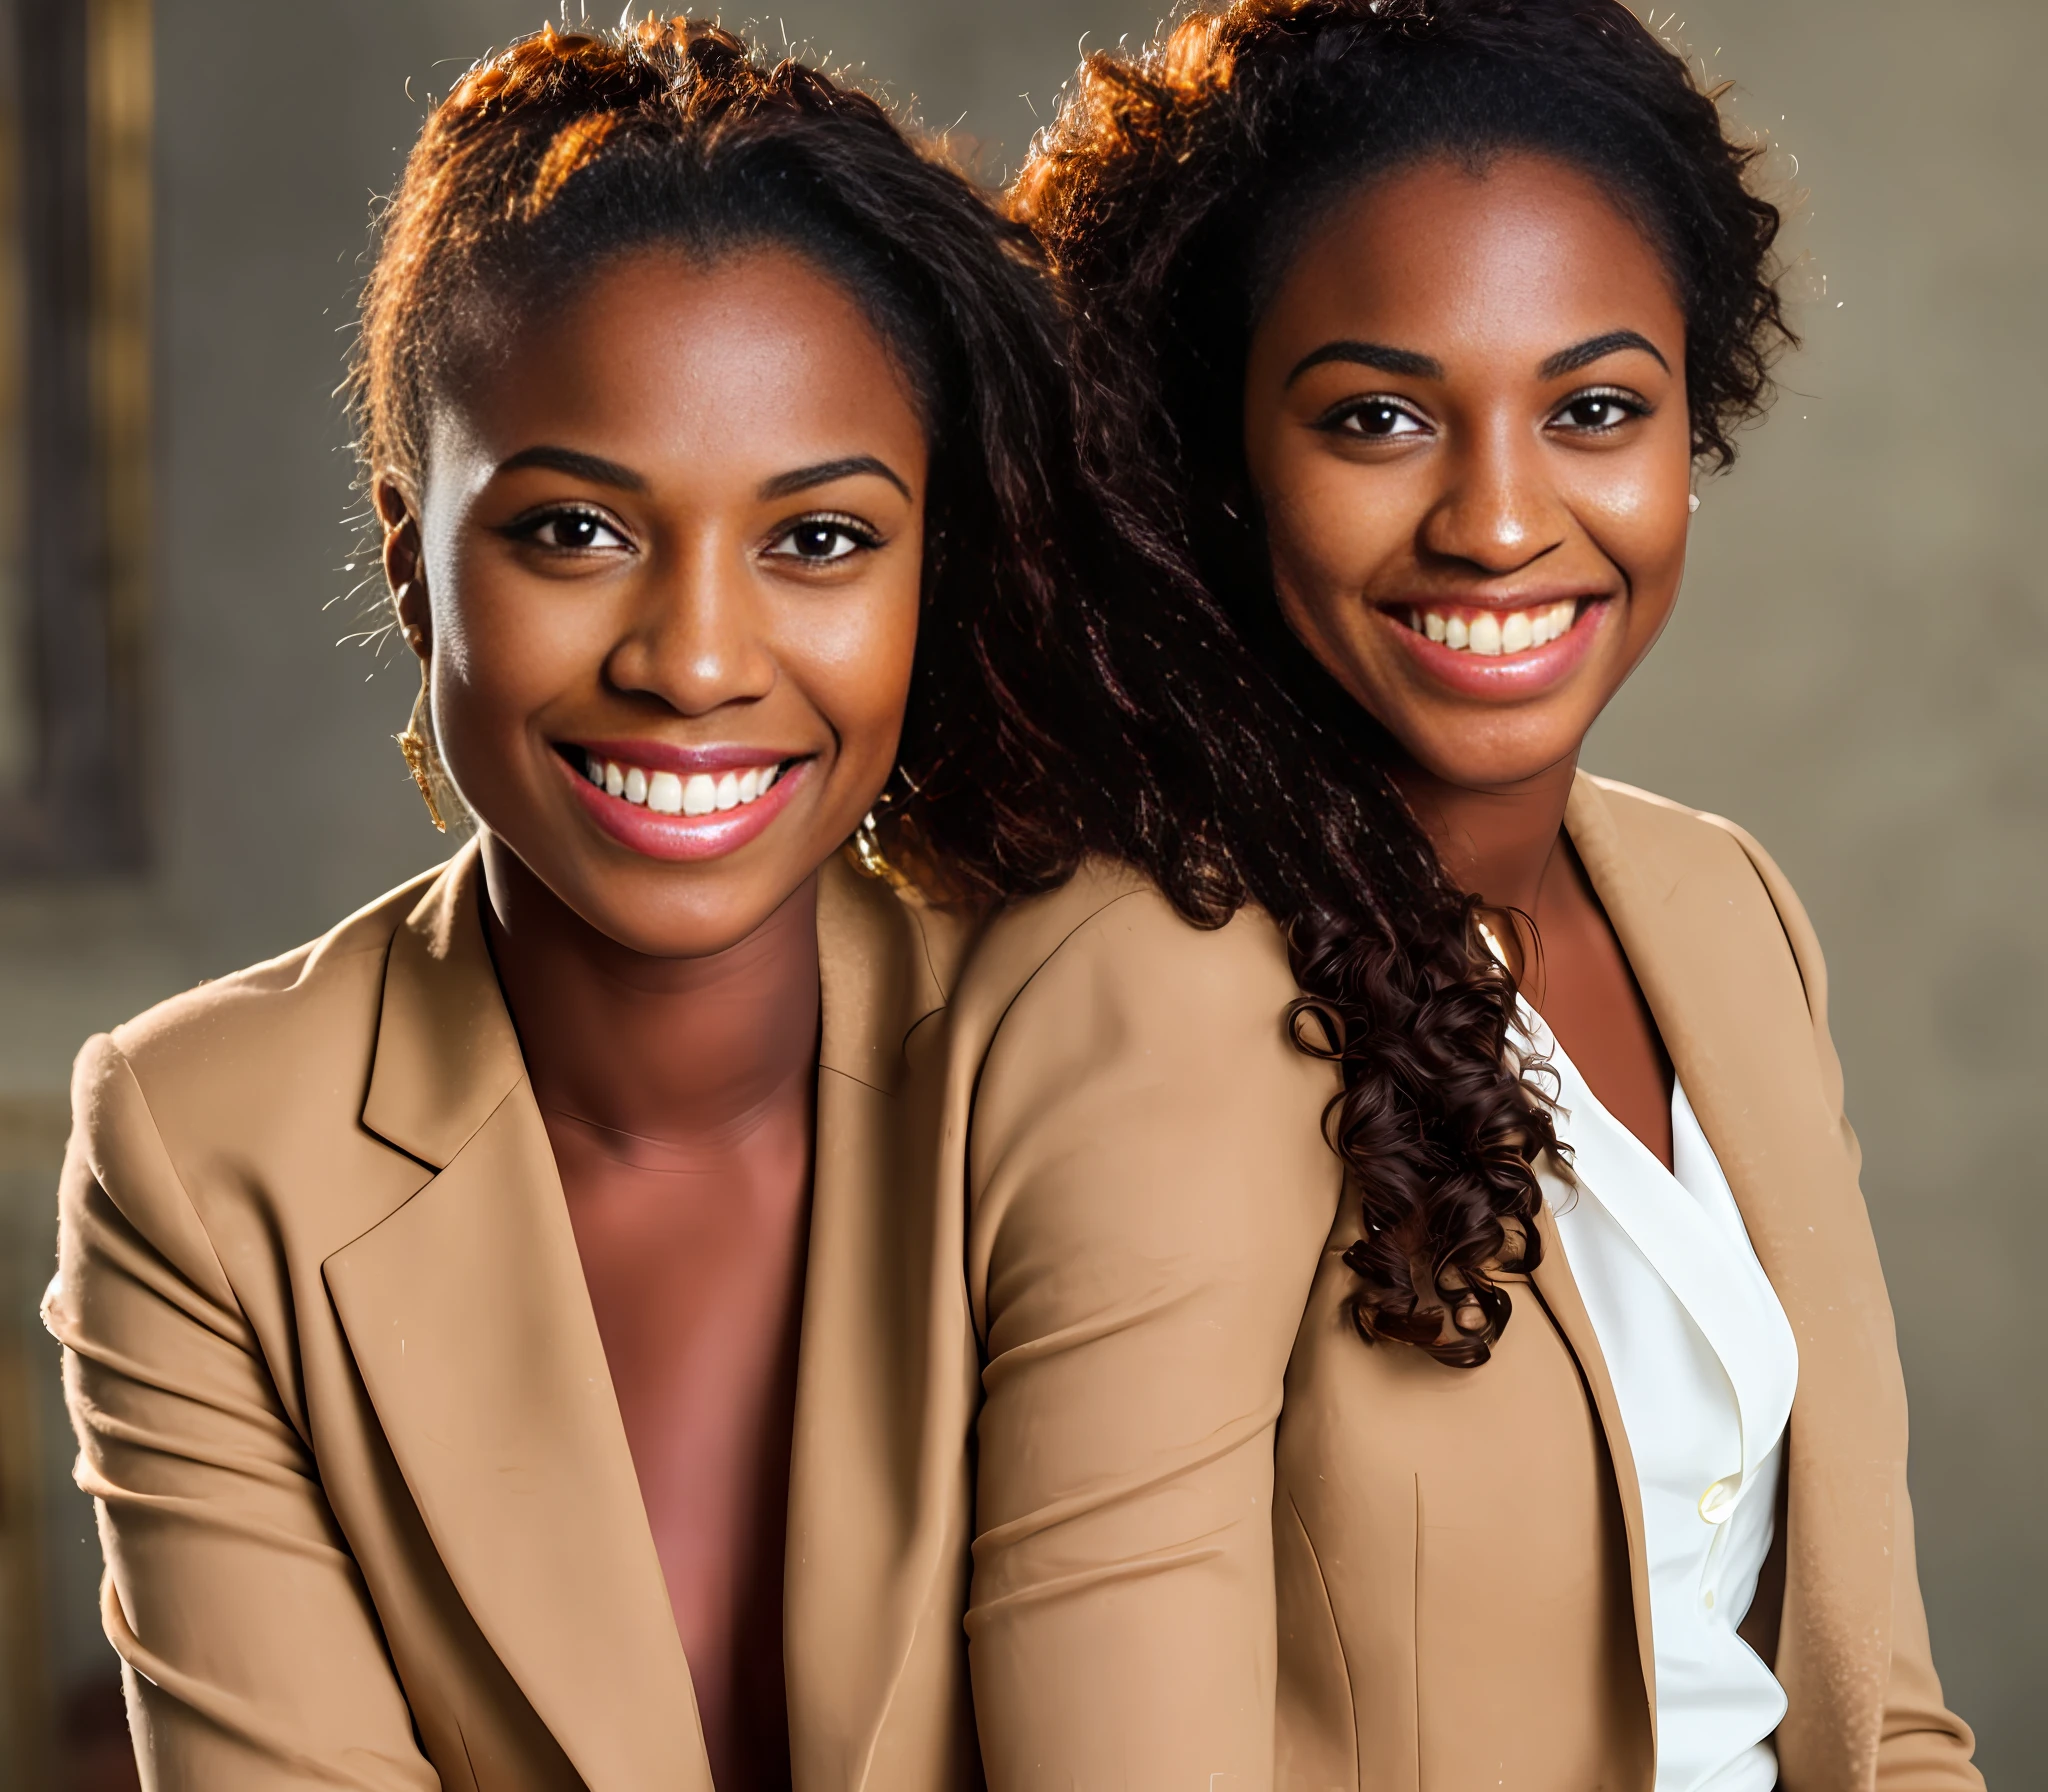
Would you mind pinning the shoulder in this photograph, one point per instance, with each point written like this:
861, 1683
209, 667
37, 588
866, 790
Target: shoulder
1097, 1012
1657, 827
1719, 865
232, 1022
1137, 1117
260, 1039
1110, 929
1665, 836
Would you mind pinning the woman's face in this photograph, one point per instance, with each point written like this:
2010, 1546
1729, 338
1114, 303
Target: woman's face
665, 570
1465, 419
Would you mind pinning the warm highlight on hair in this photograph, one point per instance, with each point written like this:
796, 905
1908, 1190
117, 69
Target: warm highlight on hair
1171, 192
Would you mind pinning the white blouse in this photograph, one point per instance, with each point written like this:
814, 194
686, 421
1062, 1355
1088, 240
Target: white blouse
1704, 1366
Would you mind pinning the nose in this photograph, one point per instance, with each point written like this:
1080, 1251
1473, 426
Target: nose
1497, 512
697, 637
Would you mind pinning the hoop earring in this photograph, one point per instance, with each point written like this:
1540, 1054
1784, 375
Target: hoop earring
867, 848
866, 845
418, 749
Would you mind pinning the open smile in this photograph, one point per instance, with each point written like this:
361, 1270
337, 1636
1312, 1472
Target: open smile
1500, 651
681, 803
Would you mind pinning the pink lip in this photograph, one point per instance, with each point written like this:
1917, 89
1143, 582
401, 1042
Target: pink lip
660, 756
1503, 677
680, 838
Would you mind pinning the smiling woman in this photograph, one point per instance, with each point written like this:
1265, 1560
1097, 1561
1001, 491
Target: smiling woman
1405, 327
509, 1338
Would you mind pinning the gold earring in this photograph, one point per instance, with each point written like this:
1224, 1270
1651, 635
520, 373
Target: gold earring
867, 850
866, 845
418, 749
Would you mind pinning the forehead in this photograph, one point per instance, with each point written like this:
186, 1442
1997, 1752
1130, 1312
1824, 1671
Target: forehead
751, 360
1441, 254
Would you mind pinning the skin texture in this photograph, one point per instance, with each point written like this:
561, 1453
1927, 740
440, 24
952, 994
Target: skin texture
1526, 442
693, 584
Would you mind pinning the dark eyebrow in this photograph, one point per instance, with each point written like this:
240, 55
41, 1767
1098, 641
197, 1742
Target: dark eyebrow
803, 478
592, 467
1371, 354
1598, 348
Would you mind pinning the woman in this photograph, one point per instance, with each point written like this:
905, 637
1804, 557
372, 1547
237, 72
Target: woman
469, 1316
1405, 325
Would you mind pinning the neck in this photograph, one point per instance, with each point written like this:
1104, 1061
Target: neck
665, 1049
1500, 845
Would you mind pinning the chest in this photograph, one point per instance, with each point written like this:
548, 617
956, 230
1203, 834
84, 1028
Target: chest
692, 1252
1437, 1531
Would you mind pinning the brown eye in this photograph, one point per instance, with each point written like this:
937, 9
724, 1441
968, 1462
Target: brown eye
823, 541
571, 532
1593, 413
1381, 420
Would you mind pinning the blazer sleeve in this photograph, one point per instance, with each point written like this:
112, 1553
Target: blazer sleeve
1923, 1746
252, 1656
1150, 1192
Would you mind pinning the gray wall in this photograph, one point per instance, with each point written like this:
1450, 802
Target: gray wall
1857, 671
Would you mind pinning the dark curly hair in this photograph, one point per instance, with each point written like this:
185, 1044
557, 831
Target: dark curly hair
569, 148
1171, 192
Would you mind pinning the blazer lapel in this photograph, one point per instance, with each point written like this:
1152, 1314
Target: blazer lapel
469, 1320
1567, 1308
879, 1506
1716, 968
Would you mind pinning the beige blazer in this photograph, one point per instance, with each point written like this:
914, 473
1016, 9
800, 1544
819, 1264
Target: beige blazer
1412, 1576
368, 1509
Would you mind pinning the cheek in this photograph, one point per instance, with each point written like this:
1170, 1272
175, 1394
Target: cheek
503, 650
1330, 522
854, 655
1329, 538
1640, 521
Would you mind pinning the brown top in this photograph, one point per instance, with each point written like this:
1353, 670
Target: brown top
1415, 1575
370, 1514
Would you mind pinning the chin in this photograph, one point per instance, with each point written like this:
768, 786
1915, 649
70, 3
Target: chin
1500, 769
694, 936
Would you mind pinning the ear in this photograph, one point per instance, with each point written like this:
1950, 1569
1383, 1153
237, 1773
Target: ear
405, 562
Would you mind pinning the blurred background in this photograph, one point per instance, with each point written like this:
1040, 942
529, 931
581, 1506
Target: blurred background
196, 771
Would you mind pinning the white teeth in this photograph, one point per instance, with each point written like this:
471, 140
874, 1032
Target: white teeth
670, 793
665, 793
1494, 632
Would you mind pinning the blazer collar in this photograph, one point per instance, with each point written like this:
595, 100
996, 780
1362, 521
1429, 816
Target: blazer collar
470, 1322
1726, 990
446, 1054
